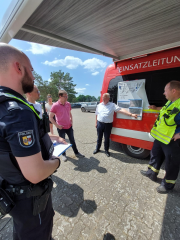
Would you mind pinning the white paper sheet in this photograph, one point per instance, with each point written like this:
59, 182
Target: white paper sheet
132, 96
59, 148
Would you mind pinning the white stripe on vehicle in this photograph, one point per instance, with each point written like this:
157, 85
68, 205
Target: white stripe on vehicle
132, 134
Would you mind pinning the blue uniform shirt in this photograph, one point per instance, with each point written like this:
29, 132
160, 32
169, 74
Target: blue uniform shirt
177, 121
18, 127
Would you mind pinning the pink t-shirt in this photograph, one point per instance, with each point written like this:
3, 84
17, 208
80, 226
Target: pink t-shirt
62, 113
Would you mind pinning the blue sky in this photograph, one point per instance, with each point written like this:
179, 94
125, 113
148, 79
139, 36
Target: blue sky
86, 69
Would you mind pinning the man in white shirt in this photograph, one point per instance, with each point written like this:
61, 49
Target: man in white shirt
32, 97
104, 118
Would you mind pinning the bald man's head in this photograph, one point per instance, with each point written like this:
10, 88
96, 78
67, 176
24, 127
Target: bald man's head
8, 54
15, 69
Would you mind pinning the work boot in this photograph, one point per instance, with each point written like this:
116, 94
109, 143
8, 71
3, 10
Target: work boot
161, 189
153, 177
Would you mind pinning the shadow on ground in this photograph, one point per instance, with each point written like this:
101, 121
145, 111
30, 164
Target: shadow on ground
87, 164
127, 159
68, 199
121, 156
171, 220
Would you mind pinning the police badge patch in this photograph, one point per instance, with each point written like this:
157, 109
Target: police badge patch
26, 138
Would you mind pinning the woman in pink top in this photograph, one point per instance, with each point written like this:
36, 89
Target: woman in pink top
62, 110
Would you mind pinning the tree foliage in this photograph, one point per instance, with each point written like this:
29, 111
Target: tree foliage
85, 98
58, 80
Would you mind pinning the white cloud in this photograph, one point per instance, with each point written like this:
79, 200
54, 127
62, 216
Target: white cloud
49, 80
93, 64
87, 84
71, 62
95, 73
80, 90
39, 48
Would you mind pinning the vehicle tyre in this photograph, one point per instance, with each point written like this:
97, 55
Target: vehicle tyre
135, 152
83, 109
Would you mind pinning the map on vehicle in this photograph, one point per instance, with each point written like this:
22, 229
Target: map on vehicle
132, 96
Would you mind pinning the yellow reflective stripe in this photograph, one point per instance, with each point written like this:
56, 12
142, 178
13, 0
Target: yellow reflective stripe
157, 137
160, 133
32, 108
152, 168
170, 181
151, 111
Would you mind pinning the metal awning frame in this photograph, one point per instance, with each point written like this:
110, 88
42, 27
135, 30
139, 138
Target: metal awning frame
65, 40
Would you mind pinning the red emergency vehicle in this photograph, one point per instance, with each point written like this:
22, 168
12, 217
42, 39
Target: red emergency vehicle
157, 69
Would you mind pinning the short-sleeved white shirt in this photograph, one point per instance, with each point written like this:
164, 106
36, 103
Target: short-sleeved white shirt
38, 107
48, 107
105, 112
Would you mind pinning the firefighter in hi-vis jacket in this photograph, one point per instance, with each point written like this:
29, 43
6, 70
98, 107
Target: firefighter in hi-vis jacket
166, 132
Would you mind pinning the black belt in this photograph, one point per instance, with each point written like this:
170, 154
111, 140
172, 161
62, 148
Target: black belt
17, 190
105, 123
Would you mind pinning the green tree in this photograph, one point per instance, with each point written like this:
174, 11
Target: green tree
58, 80
98, 98
88, 98
93, 99
74, 100
81, 98
42, 86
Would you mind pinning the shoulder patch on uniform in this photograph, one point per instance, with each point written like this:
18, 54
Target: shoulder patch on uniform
13, 105
26, 138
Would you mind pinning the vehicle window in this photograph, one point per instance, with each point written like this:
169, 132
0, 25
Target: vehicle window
155, 83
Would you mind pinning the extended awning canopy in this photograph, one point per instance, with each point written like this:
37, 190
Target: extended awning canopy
120, 29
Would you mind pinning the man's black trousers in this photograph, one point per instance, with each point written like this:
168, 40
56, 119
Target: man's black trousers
171, 155
106, 129
70, 134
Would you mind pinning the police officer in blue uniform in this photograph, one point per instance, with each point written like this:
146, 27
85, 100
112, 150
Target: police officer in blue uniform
25, 183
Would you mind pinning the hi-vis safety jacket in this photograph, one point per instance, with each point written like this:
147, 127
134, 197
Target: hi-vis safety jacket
165, 125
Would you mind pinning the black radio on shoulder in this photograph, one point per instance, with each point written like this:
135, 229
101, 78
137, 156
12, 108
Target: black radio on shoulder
45, 119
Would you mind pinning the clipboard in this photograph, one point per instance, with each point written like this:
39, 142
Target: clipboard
60, 148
